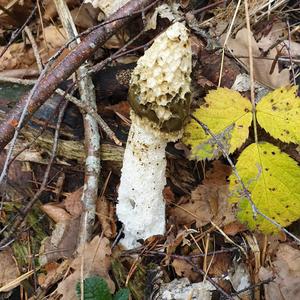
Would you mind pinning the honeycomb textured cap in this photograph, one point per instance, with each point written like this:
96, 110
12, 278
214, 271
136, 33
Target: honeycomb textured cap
160, 83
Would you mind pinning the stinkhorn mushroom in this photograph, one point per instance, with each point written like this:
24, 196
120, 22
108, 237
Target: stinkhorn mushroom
159, 95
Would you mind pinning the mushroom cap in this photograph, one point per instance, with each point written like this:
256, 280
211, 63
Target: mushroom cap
160, 84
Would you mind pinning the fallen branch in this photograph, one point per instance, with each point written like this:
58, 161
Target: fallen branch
91, 132
50, 81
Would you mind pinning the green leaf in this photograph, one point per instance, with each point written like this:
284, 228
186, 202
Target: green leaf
95, 288
228, 115
272, 178
122, 294
279, 114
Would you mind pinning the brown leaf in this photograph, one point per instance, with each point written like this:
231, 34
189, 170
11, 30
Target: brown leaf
219, 265
184, 269
123, 108
62, 242
73, 203
208, 201
56, 213
106, 215
262, 67
234, 228
8, 266
286, 268
96, 259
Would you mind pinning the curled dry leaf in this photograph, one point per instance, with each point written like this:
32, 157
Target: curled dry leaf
286, 269
262, 66
208, 201
96, 259
105, 211
73, 203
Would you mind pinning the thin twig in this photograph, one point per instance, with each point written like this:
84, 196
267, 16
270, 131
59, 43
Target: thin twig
253, 286
251, 72
19, 126
200, 271
226, 40
245, 190
289, 51
34, 48
17, 33
29, 205
91, 111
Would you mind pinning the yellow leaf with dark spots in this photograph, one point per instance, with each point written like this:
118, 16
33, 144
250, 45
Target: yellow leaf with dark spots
279, 114
272, 178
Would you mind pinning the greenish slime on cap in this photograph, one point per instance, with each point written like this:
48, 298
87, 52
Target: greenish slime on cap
178, 107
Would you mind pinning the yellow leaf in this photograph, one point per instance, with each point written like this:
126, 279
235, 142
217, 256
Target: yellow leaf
228, 115
272, 178
279, 114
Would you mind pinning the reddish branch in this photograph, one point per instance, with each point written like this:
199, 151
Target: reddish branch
67, 66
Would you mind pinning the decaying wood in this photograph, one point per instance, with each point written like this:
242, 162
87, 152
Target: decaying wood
67, 149
67, 66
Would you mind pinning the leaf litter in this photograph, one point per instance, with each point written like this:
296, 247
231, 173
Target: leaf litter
197, 193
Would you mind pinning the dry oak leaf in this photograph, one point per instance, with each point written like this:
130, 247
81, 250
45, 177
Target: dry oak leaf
96, 258
286, 268
208, 201
262, 66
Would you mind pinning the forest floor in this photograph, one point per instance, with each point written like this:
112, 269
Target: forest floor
50, 247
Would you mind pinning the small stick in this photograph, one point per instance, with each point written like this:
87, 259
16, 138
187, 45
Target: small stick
91, 132
91, 111
34, 48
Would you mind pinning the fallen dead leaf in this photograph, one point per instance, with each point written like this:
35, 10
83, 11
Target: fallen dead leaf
73, 203
62, 242
96, 259
208, 201
278, 30
184, 269
262, 66
17, 56
56, 213
234, 228
105, 211
286, 269
219, 265
8, 266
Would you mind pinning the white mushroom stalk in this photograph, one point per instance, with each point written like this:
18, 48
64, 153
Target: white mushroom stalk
159, 95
